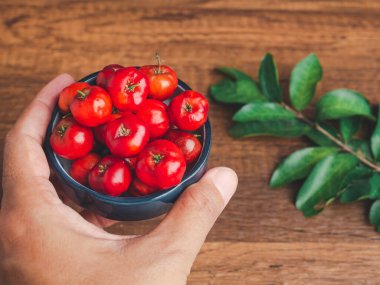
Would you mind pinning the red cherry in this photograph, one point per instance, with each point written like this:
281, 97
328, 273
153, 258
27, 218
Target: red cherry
139, 188
71, 140
189, 110
100, 131
131, 161
127, 136
161, 164
92, 106
81, 167
162, 81
128, 88
188, 144
67, 95
110, 176
154, 114
105, 75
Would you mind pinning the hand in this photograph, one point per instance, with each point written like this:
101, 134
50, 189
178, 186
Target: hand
43, 241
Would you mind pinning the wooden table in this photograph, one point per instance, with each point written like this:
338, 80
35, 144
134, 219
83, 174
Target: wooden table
260, 238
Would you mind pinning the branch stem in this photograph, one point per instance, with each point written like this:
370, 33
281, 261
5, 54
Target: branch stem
337, 141
158, 58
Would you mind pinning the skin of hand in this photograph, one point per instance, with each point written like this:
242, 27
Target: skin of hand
43, 241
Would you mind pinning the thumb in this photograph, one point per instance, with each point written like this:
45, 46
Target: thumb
195, 212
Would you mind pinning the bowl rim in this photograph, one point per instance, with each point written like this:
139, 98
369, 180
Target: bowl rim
125, 200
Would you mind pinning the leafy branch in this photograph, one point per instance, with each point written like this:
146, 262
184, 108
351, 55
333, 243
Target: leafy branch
344, 165
336, 140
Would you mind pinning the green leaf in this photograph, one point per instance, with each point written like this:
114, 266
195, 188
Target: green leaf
374, 214
359, 172
238, 88
349, 127
321, 139
362, 189
303, 81
233, 73
375, 185
311, 212
299, 164
262, 111
361, 147
342, 103
324, 182
268, 78
356, 191
283, 128
375, 139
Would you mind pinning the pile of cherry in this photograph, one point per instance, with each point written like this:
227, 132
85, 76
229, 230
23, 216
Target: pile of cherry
146, 145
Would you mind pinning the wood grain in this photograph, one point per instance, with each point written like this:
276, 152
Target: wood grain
260, 238
285, 263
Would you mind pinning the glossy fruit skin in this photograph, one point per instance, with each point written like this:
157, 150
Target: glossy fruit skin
162, 81
155, 114
106, 73
111, 176
139, 188
101, 130
127, 136
92, 107
161, 164
187, 143
81, 167
128, 88
131, 161
67, 95
71, 140
189, 110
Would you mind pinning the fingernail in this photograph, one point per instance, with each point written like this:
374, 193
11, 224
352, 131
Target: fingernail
225, 180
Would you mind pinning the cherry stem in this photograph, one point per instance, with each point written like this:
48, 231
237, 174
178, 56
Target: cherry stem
337, 141
81, 94
68, 115
158, 58
132, 87
188, 107
157, 158
122, 132
61, 130
102, 168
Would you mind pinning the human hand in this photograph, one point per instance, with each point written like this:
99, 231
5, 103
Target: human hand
43, 241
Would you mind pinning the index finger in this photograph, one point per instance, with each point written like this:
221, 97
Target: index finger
35, 119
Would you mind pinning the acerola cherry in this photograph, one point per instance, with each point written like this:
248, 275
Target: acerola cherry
105, 75
187, 143
110, 176
131, 161
71, 140
126, 136
161, 164
162, 80
92, 106
189, 110
80, 168
67, 95
100, 131
154, 114
139, 188
128, 88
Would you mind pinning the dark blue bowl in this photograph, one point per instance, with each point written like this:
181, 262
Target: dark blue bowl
126, 208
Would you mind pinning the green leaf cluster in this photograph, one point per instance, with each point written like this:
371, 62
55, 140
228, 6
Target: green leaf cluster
345, 163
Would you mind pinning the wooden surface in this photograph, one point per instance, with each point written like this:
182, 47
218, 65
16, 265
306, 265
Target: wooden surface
260, 238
